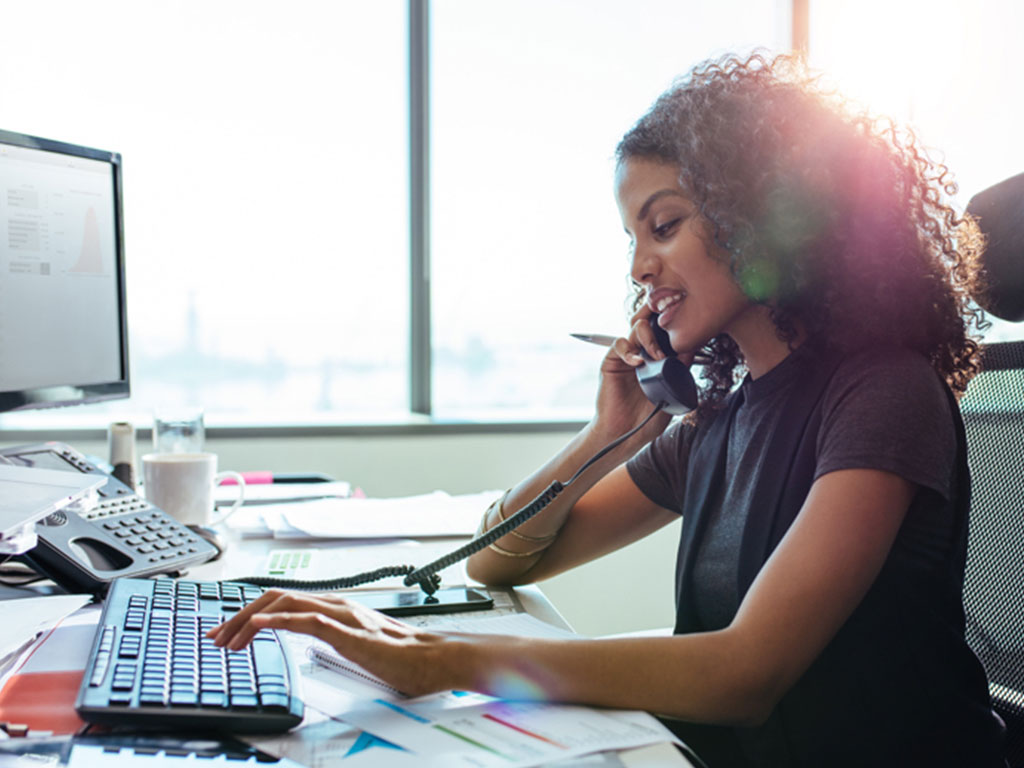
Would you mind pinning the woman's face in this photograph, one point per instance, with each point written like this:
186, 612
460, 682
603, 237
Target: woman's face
692, 289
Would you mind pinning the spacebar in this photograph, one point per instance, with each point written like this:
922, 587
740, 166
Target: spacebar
268, 659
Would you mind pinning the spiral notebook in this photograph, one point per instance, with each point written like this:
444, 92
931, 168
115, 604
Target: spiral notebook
327, 657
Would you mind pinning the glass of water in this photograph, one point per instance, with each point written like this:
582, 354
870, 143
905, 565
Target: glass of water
178, 430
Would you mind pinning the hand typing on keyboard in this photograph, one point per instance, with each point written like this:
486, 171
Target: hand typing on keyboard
403, 656
152, 665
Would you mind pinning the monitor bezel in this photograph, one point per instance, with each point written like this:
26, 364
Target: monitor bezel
72, 394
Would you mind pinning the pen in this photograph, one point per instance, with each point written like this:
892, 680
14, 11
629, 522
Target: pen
604, 340
595, 338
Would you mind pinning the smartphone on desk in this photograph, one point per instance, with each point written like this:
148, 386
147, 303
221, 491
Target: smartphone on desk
85, 547
396, 600
451, 600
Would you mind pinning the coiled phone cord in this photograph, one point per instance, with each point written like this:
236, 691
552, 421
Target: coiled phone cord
427, 576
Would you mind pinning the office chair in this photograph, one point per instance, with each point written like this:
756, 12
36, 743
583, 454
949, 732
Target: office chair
993, 412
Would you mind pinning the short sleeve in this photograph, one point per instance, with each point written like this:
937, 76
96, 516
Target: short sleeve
889, 411
659, 468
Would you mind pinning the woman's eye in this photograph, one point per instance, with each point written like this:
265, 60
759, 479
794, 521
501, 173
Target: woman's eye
663, 230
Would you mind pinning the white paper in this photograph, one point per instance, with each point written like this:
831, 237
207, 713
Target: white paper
514, 734
27, 617
67, 647
519, 624
432, 514
336, 702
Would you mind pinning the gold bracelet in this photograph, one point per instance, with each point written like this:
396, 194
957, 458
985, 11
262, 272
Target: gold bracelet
501, 516
548, 540
482, 528
509, 553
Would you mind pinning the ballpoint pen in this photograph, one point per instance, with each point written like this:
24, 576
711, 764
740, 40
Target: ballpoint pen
604, 340
595, 338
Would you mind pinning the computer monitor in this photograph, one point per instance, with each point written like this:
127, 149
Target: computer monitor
63, 330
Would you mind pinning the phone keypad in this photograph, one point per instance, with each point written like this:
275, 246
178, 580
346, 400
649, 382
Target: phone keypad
154, 535
117, 506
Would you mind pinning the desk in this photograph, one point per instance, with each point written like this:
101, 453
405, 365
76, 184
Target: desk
317, 742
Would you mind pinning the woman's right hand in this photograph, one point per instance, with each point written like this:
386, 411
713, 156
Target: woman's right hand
621, 403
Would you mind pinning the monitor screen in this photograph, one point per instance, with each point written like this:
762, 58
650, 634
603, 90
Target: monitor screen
63, 331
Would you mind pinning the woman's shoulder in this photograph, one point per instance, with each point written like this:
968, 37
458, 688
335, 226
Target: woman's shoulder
888, 409
890, 368
891, 387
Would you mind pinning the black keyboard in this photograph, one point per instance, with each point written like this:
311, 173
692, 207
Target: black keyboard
151, 665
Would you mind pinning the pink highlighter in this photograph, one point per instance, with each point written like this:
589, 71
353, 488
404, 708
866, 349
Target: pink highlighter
263, 477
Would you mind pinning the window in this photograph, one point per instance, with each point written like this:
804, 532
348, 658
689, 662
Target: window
529, 100
266, 192
266, 157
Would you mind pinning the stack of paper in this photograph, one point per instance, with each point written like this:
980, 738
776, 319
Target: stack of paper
427, 515
455, 728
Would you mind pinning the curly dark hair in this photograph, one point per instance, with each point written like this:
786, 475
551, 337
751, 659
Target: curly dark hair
835, 219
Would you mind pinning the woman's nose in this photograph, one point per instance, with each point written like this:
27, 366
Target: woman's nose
644, 264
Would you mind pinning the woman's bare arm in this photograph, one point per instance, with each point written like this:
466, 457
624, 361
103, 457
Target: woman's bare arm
806, 591
601, 511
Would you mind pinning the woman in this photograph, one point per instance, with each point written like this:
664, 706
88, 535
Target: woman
819, 618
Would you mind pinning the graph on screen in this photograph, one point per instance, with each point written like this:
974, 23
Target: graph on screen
58, 269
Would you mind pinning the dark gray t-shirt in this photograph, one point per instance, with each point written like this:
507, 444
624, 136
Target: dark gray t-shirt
881, 410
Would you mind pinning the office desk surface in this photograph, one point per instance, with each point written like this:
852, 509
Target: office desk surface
247, 557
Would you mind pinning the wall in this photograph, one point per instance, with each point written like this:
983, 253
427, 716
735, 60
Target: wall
627, 591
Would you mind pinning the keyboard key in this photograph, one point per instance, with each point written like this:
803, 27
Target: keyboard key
213, 699
244, 701
267, 658
184, 699
274, 700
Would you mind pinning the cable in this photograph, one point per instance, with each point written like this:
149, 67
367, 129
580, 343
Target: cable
20, 574
427, 576
322, 585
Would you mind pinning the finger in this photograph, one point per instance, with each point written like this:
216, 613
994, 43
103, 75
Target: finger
641, 332
628, 352
388, 660
311, 623
645, 336
642, 336
237, 632
337, 609
228, 628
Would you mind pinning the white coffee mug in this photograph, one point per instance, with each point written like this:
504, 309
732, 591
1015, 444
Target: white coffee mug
181, 484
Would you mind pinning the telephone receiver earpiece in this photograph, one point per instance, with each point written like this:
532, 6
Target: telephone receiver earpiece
668, 380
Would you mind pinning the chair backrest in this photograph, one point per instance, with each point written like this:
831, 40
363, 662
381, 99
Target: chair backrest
993, 412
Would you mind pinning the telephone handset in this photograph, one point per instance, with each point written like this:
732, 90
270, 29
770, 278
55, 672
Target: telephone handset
84, 548
668, 380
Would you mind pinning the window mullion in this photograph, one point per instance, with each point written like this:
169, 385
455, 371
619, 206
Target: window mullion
419, 208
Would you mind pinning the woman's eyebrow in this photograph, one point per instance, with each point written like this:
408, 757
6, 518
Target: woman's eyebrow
646, 207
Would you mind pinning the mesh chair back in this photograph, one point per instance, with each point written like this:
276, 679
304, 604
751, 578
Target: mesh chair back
993, 412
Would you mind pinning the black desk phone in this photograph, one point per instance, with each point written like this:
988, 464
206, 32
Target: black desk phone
667, 380
84, 548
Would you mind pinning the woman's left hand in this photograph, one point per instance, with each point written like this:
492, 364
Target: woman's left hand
413, 661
